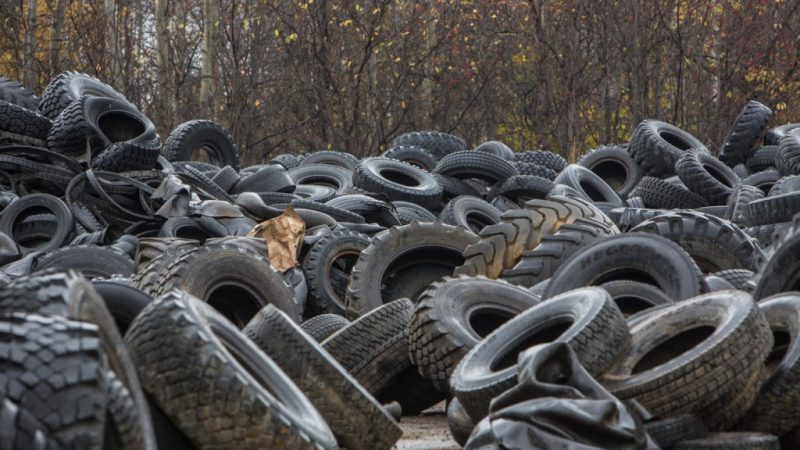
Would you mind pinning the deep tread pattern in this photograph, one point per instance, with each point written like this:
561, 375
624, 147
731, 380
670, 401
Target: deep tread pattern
739, 278
666, 432
412, 154
788, 159
71, 131
774, 209
535, 170
730, 441
57, 96
12, 91
693, 172
126, 156
765, 234
175, 146
472, 164
122, 416
528, 186
427, 193
657, 193
321, 327
438, 144
654, 154
550, 160
762, 159
746, 131
453, 187
18, 120
741, 196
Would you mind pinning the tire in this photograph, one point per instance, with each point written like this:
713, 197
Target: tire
99, 123
189, 138
408, 212
542, 262
706, 176
180, 345
502, 245
631, 217
458, 421
286, 160
764, 180
715, 284
521, 188
496, 148
338, 214
633, 297
411, 154
785, 185
657, 146
587, 319
123, 302
371, 209
191, 228
24, 122
332, 158
32, 204
472, 164
68, 87
453, 187
438, 144
773, 136
688, 356
774, 209
764, 234
656, 193
787, 161
314, 193
762, 159
398, 181
670, 430
779, 268
43, 408
12, 91
550, 160
747, 130
399, 249
739, 278
741, 196
453, 316
236, 282
323, 326
267, 179
615, 166
715, 244
631, 256
535, 170
358, 421
226, 178
335, 177
91, 260
503, 204
151, 248
374, 347
328, 266
470, 212
730, 441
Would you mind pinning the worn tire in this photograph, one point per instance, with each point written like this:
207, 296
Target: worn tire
328, 266
397, 180
763, 180
438, 144
68, 87
552, 161
730, 441
521, 188
747, 130
24, 122
459, 422
13, 91
335, 177
35, 203
670, 430
706, 176
333, 158
469, 212
412, 154
188, 138
633, 297
472, 164
615, 166
657, 193
323, 326
588, 184
741, 196
657, 146
762, 159
91, 260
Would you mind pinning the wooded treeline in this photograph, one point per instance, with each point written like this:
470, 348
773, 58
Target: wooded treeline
291, 75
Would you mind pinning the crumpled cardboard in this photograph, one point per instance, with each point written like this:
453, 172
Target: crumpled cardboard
284, 235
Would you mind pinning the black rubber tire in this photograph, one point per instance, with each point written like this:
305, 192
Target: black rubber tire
615, 166
399, 249
408, 212
374, 347
12, 91
657, 193
521, 188
496, 148
470, 212
267, 179
715, 244
552, 161
785, 185
587, 319
762, 159
190, 228
535, 170
453, 315
371, 209
453, 187
459, 422
788, 159
338, 214
657, 146
438, 144
314, 193
631, 217
335, 177
123, 302
692, 355
739, 278
397, 180
328, 266
286, 160
670, 430
773, 209
472, 164
631, 256
180, 345
201, 135
321, 327
633, 297
503, 204
237, 282
41, 406
98, 123
741, 196
91, 260
24, 122
764, 234
542, 262
763, 180
779, 267
333, 158
706, 176
357, 420
226, 178
730, 441
746, 131
773, 136
68, 87
35, 204
715, 284
411, 154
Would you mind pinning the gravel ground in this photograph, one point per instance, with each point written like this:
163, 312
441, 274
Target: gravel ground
426, 432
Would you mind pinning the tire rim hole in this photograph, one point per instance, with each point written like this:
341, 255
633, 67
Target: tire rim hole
32, 240
630, 305
237, 303
782, 342
118, 126
476, 220
717, 175
318, 180
593, 193
673, 347
548, 334
485, 320
192, 232
612, 172
341, 268
627, 274
400, 178
674, 140
205, 153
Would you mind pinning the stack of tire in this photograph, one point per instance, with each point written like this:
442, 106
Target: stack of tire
422, 274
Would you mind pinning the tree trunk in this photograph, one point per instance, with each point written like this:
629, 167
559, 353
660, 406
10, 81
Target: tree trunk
113, 43
29, 58
430, 68
207, 74
162, 43
56, 36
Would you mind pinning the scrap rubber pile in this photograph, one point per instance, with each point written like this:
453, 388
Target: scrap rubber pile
641, 298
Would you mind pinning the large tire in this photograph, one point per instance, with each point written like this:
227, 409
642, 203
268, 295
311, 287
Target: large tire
459, 422
552, 161
68, 87
408, 212
614, 165
335, 177
688, 356
199, 140
762, 159
357, 420
670, 430
330, 157
184, 351
706, 176
746, 131
715, 244
123, 302
496, 148
521, 188
328, 266
91, 260
741, 196
764, 180
773, 136
371, 209
470, 212
535, 170
633, 297
398, 181
472, 164
411, 154
631, 256
12, 91
587, 319
272, 178
321, 327
453, 316
588, 184
657, 193
730, 441
774, 209
657, 146
20, 121
779, 268
439, 144
787, 160
399, 249
33, 204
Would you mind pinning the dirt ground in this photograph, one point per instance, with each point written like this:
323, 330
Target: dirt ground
426, 432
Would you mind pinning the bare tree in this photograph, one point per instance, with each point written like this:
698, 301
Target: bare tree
29, 59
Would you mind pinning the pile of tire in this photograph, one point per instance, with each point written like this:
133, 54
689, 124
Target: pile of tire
139, 314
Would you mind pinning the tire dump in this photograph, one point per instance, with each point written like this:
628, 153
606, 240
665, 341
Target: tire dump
156, 294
